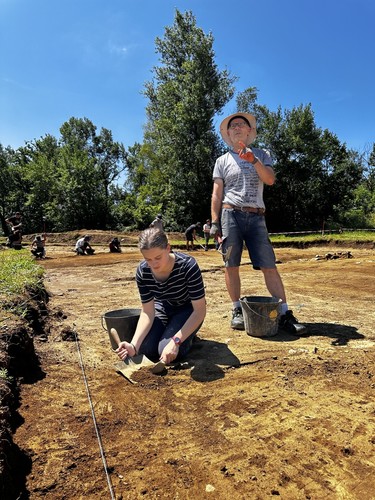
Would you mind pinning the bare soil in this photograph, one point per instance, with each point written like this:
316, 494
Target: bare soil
244, 418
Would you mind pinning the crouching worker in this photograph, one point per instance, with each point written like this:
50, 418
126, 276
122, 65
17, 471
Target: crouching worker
38, 248
173, 300
115, 246
15, 239
83, 246
15, 235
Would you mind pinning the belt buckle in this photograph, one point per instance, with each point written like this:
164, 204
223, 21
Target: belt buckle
243, 209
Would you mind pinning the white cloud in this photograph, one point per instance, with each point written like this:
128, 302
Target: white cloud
15, 84
121, 50
339, 96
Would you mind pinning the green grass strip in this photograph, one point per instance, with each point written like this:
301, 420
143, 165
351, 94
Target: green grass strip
18, 273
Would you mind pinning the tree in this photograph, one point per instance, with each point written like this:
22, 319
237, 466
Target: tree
7, 185
143, 188
39, 170
181, 145
316, 174
361, 212
370, 171
14, 185
89, 165
69, 181
111, 161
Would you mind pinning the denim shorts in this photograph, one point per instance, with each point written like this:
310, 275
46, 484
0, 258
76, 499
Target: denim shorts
167, 322
239, 227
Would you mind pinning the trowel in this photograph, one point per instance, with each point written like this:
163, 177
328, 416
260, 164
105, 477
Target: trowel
135, 363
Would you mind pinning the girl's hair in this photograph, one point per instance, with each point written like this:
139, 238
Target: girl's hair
152, 238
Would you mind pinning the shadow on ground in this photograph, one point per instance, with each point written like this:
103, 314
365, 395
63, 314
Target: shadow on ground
207, 358
340, 334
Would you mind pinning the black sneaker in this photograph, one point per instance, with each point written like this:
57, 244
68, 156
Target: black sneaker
237, 322
290, 324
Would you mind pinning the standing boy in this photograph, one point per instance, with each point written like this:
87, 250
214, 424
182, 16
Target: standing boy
237, 214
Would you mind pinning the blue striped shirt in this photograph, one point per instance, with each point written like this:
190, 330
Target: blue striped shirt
184, 284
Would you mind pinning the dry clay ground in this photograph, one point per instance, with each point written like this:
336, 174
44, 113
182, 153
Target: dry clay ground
246, 418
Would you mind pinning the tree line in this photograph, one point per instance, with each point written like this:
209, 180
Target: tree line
85, 179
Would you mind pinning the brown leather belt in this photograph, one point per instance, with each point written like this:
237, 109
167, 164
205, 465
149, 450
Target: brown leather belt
259, 211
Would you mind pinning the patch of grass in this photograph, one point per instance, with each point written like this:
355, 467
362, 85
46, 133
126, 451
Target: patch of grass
314, 237
18, 273
301, 238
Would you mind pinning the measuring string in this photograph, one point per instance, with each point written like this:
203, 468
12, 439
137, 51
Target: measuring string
94, 418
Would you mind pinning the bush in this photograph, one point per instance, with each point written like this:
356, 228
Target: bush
355, 218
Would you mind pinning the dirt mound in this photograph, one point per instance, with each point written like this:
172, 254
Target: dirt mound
98, 237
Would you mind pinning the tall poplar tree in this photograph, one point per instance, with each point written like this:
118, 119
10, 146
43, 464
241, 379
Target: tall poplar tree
186, 93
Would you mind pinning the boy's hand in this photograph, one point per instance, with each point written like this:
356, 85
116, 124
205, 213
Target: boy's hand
215, 229
245, 154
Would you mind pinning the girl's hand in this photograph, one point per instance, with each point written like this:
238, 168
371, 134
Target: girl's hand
170, 352
125, 350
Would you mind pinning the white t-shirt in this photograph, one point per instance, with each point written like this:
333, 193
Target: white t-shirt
80, 243
157, 223
242, 185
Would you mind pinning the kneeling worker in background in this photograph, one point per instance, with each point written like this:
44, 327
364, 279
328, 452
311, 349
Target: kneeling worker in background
83, 246
38, 248
115, 246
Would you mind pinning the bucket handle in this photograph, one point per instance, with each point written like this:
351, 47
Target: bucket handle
101, 318
252, 310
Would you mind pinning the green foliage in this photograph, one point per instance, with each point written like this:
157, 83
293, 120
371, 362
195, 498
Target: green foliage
6, 186
353, 218
371, 158
323, 238
180, 143
18, 273
37, 164
65, 182
316, 174
364, 198
4, 375
90, 164
12, 188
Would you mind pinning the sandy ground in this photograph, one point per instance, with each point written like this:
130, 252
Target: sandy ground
244, 418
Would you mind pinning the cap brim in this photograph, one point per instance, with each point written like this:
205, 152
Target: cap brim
224, 128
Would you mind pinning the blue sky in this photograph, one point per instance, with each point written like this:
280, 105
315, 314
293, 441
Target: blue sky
91, 58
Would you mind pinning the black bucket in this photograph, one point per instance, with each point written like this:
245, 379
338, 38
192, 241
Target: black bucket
261, 315
124, 321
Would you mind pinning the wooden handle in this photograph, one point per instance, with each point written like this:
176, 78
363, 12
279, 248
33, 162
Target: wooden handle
115, 336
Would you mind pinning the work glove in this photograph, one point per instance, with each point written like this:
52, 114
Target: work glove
247, 155
215, 230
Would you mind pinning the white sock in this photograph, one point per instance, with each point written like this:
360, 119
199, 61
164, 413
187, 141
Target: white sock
284, 308
236, 304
